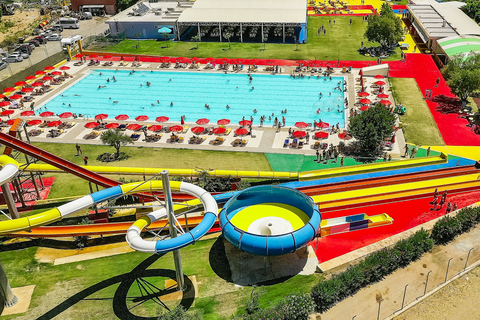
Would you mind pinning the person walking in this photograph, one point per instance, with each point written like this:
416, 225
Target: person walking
85, 160
437, 82
342, 161
317, 153
414, 151
79, 149
407, 149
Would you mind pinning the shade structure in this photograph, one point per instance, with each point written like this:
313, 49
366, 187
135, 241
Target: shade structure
383, 96
380, 83
134, 126
112, 125
101, 116
93, 56
301, 124
15, 96
245, 123
6, 112
122, 117
323, 125
219, 130
2, 96
107, 56
385, 102
344, 136
142, 118
37, 84
47, 78
64, 68
56, 73
65, 115
176, 128
223, 122
363, 94
155, 128
20, 83
203, 121
364, 108
34, 122
321, 135
198, 130
30, 77
4, 103
91, 125
8, 89
379, 76
162, 119
26, 90
365, 101
49, 68
10, 122
40, 72
299, 134
27, 113
54, 123
47, 114
241, 131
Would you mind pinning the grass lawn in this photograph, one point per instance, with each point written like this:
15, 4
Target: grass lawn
341, 41
419, 126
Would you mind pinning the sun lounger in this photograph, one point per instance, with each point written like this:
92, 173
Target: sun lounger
35, 132
244, 142
135, 136
228, 131
92, 135
300, 145
316, 145
122, 127
294, 143
185, 129
286, 143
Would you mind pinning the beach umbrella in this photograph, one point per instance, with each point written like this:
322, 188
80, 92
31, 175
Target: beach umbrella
223, 122
7, 112
176, 128
20, 83
9, 89
66, 67
65, 115
301, 124
27, 113
363, 94
47, 78
4, 103
2, 96
101, 116
245, 123
79, 55
47, 114
162, 119
26, 90
112, 125
10, 122
92, 56
30, 77
37, 84
56, 73
383, 96
155, 128
40, 72
380, 83
241, 132
107, 56
34, 122
219, 130
364, 108
55, 123
198, 130
141, 118
323, 125
299, 134
134, 126
360, 73
379, 76
164, 30
321, 135
344, 136
121, 117
15, 97
385, 102
203, 121
49, 68
91, 125
365, 101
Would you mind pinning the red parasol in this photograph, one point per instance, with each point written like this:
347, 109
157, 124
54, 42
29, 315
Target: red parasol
321, 135
155, 128
26, 90
30, 77
15, 97
245, 123
223, 122
49, 68
10, 122
34, 122
364, 108
56, 73
93, 56
66, 67
360, 73
9, 89
107, 56
47, 78
54, 123
134, 126
65, 115
344, 136
27, 113
203, 121
241, 132
141, 118
47, 114
176, 128
4, 103
380, 83
379, 76
20, 83
112, 125
91, 125
162, 119
323, 125
299, 134
219, 130
365, 101
198, 130
40, 72
301, 125
383, 96
363, 94
121, 117
385, 102
101, 116
37, 84
6, 112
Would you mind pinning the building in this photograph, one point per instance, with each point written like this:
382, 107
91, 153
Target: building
96, 7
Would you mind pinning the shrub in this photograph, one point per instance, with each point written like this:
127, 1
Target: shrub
446, 229
296, 306
179, 313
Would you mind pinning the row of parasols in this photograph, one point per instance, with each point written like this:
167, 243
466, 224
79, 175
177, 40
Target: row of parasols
363, 94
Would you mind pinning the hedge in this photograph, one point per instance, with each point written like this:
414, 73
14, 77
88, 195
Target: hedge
447, 228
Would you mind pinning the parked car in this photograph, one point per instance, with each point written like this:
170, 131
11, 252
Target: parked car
57, 28
24, 49
46, 33
24, 55
35, 42
13, 57
30, 45
41, 39
54, 37
3, 65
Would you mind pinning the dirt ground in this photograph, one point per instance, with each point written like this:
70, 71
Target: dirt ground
457, 300
21, 19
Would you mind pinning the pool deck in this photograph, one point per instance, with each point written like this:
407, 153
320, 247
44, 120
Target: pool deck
264, 139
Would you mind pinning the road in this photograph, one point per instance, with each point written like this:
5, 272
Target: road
87, 28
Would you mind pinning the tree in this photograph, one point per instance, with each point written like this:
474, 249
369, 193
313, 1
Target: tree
264, 42
166, 36
472, 9
463, 75
385, 29
124, 4
370, 128
115, 139
227, 35
196, 38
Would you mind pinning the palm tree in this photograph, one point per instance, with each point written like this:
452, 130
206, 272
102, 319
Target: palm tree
227, 35
115, 139
196, 38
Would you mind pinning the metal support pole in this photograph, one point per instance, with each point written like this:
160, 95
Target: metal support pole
19, 192
220, 31
7, 194
265, 265
426, 284
10, 298
404, 294
379, 305
448, 266
173, 231
284, 33
199, 33
468, 256
262, 32
241, 32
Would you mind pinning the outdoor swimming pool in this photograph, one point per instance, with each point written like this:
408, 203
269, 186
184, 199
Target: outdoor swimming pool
190, 91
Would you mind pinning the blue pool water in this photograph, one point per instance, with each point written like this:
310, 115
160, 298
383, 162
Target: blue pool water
190, 91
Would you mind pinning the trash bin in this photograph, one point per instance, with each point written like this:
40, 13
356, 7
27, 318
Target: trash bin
21, 40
